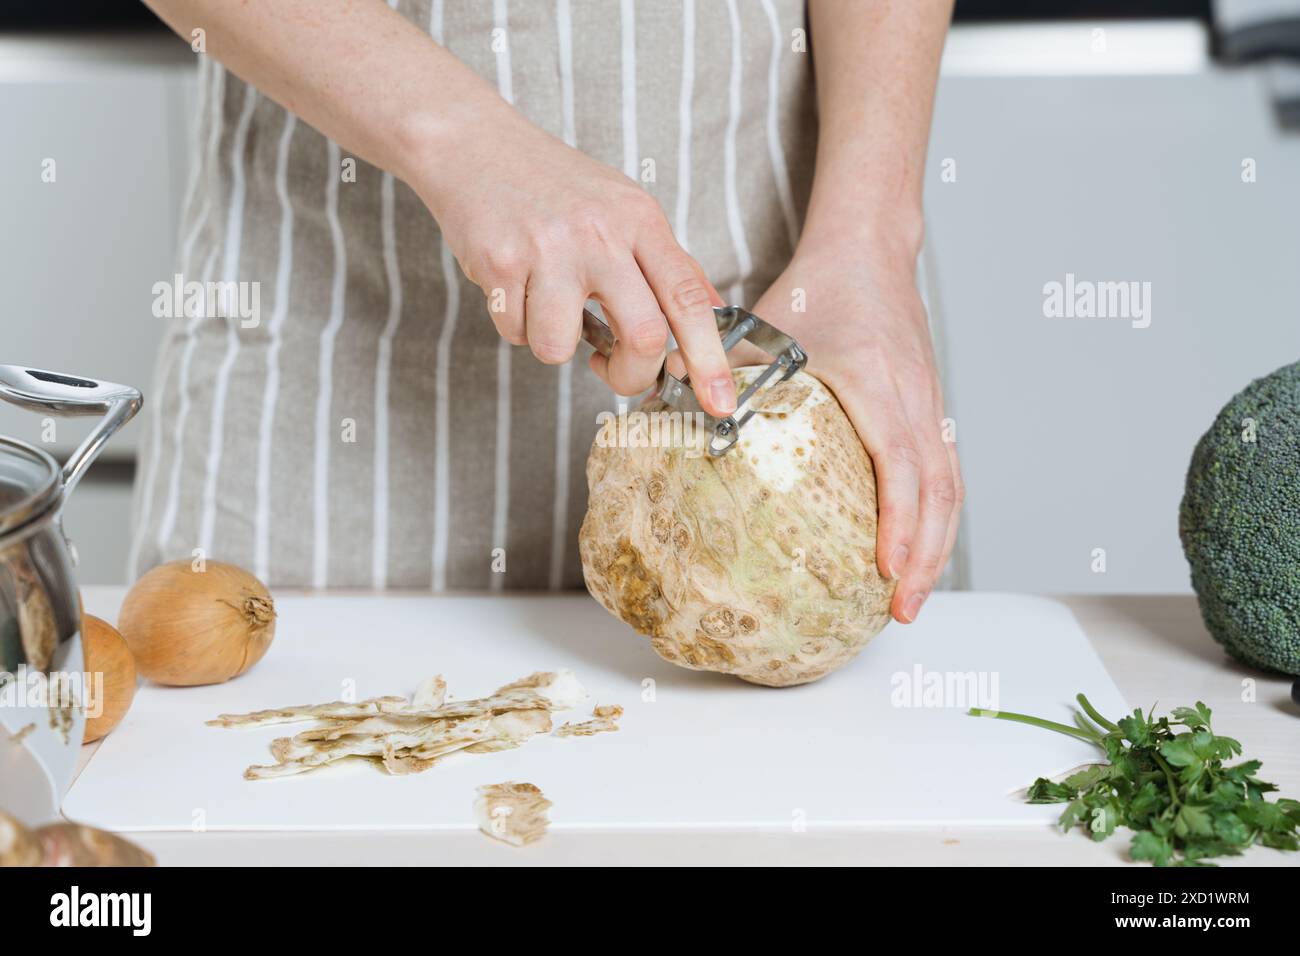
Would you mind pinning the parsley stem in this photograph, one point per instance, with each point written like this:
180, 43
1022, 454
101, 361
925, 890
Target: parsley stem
1169, 778
1092, 712
1037, 722
1083, 723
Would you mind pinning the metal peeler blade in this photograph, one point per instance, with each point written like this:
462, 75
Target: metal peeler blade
734, 326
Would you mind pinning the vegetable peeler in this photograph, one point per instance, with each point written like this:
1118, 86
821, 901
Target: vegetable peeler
734, 326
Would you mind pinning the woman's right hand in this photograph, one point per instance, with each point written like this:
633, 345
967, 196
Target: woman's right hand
538, 225
542, 228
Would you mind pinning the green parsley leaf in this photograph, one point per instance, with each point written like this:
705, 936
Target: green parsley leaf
1147, 845
1172, 789
1180, 752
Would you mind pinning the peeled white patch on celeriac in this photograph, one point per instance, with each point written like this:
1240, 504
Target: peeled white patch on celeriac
773, 437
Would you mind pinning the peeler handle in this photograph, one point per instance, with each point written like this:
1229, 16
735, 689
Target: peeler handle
597, 334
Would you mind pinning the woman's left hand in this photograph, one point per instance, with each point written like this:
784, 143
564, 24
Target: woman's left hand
864, 328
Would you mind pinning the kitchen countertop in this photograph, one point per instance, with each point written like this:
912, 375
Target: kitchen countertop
1155, 648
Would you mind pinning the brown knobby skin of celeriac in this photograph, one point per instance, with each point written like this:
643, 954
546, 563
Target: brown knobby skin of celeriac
727, 570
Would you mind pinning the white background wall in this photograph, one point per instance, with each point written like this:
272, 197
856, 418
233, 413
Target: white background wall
1075, 434
78, 257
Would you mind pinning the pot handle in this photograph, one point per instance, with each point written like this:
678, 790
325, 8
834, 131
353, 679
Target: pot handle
70, 396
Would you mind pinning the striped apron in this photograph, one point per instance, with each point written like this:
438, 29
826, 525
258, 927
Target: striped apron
371, 429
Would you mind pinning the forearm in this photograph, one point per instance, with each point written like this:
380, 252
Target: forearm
357, 71
877, 63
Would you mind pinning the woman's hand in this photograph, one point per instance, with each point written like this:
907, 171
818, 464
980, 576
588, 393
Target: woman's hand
542, 228
538, 225
866, 335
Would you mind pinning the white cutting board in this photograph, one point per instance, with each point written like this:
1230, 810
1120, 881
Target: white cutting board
695, 750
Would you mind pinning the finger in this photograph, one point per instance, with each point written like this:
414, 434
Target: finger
954, 523
553, 318
889, 441
640, 329
898, 483
687, 299
938, 498
742, 354
600, 365
505, 304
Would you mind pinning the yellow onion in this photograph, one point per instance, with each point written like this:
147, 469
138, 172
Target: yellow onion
107, 654
188, 627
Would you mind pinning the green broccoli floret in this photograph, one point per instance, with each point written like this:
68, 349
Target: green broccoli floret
1240, 523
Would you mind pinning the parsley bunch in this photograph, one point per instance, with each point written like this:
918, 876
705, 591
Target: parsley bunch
1171, 787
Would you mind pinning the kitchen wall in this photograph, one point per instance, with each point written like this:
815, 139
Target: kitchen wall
1075, 433
1049, 158
108, 118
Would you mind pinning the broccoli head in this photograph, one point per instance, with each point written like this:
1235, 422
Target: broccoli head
1240, 523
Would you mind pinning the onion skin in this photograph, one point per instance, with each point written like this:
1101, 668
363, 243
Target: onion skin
106, 652
187, 628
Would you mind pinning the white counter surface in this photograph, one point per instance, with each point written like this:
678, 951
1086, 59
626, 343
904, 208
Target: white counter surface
1155, 649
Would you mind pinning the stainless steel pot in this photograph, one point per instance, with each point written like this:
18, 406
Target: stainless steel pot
41, 669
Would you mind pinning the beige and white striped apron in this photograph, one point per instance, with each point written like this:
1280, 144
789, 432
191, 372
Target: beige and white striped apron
372, 430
